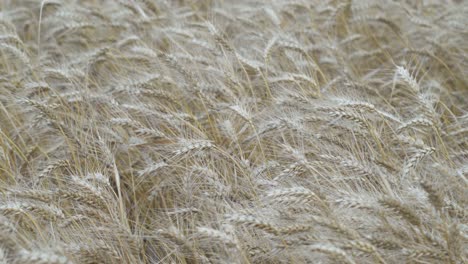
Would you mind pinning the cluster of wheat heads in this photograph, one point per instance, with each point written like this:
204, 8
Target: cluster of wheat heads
233, 131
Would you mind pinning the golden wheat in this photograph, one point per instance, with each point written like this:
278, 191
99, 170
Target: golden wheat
244, 131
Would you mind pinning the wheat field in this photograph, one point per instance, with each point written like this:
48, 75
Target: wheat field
235, 131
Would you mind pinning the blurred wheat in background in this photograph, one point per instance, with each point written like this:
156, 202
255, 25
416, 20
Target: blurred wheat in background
242, 131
